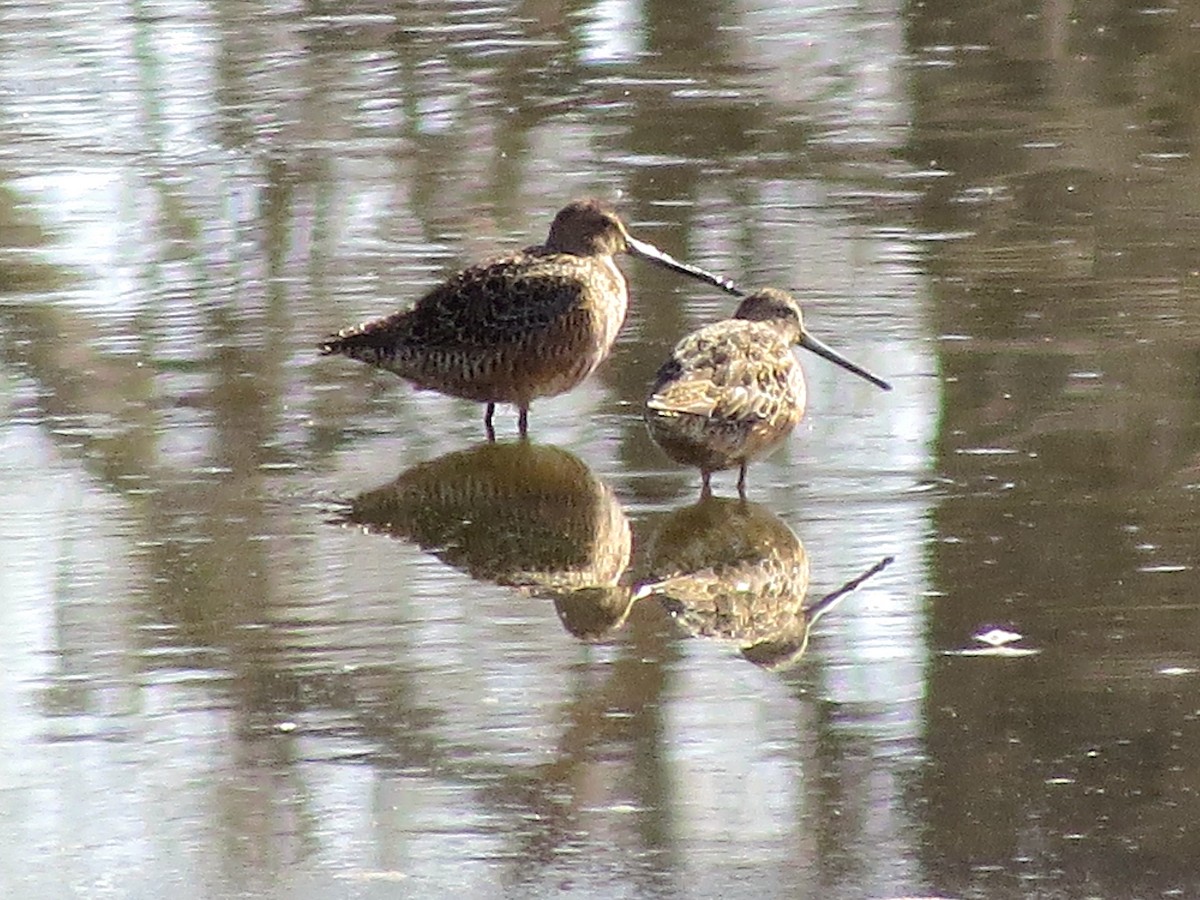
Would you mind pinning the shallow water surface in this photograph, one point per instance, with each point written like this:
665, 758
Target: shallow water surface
278, 626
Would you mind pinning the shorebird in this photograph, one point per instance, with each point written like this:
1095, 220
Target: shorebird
733, 570
531, 324
732, 391
525, 515
520, 514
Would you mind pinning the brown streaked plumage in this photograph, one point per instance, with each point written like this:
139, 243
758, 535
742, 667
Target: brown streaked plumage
520, 514
532, 324
732, 391
733, 570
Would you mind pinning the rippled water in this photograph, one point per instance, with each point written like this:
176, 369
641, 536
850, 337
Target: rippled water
275, 625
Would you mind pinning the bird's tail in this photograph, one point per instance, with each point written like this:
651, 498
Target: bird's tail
367, 343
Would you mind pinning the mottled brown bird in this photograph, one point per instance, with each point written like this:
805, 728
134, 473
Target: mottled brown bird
732, 391
733, 570
730, 569
528, 325
529, 516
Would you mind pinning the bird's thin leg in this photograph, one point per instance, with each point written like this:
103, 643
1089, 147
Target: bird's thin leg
742, 482
487, 423
523, 422
705, 486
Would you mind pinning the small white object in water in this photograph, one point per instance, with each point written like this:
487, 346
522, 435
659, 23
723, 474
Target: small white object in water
997, 637
996, 641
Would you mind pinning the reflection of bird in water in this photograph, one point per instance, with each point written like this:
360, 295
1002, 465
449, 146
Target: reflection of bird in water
594, 613
732, 391
532, 324
520, 514
732, 569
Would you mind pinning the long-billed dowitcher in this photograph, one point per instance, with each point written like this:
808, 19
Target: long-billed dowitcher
529, 516
520, 514
532, 324
732, 391
733, 570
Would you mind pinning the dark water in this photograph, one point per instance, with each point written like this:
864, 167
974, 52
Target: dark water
277, 626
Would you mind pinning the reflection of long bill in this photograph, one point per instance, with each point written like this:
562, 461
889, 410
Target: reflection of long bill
814, 611
808, 342
654, 255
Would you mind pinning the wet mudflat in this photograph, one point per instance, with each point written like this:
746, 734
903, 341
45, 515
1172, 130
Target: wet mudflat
276, 625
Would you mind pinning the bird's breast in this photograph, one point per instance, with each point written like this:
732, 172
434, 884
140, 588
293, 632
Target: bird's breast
611, 302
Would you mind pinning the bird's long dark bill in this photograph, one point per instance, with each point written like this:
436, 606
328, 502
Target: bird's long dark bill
808, 342
652, 253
